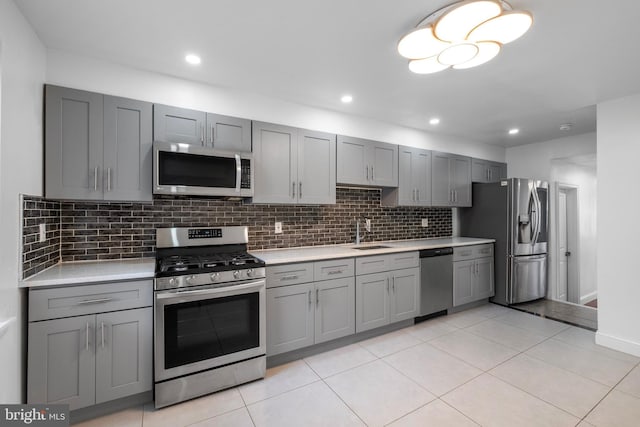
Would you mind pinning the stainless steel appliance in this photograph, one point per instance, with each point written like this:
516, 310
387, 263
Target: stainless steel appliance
209, 312
436, 280
195, 170
515, 213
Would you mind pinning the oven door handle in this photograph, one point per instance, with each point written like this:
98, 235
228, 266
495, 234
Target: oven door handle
210, 291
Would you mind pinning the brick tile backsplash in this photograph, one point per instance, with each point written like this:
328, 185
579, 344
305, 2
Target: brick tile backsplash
114, 230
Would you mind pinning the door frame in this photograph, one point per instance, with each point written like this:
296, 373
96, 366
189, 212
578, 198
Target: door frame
573, 240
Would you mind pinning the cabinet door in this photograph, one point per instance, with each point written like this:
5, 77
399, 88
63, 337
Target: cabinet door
440, 190
483, 280
383, 164
173, 124
124, 355
275, 160
316, 167
407, 191
460, 180
61, 362
127, 149
352, 161
290, 318
335, 309
421, 172
372, 301
463, 277
497, 171
405, 297
229, 133
479, 170
73, 144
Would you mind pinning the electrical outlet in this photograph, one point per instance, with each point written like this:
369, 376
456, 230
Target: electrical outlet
278, 228
425, 222
43, 233
367, 224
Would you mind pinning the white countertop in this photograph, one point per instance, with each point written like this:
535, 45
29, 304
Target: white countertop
316, 253
70, 273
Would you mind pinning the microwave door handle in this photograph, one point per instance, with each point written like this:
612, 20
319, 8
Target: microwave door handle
238, 173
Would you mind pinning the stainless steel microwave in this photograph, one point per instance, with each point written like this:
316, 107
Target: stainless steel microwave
183, 169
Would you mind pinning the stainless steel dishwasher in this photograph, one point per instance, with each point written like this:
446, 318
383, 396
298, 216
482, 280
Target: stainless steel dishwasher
436, 280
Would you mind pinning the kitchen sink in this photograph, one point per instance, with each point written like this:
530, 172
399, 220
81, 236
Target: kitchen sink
370, 247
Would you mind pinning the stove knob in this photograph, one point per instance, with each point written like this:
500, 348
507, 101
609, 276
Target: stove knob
190, 280
249, 272
215, 277
236, 274
172, 281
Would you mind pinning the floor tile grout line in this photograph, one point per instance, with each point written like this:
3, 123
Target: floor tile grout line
343, 401
459, 411
246, 407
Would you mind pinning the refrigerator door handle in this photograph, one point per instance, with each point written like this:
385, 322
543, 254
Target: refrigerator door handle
538, 206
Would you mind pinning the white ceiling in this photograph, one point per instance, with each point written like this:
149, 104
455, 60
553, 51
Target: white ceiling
578, 53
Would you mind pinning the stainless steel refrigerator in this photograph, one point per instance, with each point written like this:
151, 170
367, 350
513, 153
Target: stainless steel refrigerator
515, 213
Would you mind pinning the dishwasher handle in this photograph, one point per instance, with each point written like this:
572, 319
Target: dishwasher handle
429, 253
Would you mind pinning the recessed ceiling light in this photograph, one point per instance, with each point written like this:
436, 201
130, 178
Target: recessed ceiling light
192, 59
434, 121
346, 99
513, 131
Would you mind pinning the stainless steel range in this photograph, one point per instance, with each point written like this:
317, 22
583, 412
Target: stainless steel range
209, 312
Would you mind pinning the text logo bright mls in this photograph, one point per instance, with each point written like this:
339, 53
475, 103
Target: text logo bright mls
34, 415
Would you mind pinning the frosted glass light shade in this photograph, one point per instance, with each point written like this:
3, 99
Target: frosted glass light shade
454, 25
458, 54
486, 52
504, 28
420, 43
426, 66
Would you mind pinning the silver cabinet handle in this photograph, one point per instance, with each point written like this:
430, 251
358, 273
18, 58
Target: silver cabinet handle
102, 329
86, 346
309, 300
367, 169
289, 277
212, 134
387, 285
300, 190
95, 179
293, 190
331, 273
108, 179
317, 297
93, 301
393, 284
202, 134
372, 175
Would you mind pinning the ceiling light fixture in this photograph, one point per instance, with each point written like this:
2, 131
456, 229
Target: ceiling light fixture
463, 35
192, 59
514, 131
434, 121
346, 99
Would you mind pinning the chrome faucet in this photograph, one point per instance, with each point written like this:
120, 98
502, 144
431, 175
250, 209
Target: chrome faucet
357, 232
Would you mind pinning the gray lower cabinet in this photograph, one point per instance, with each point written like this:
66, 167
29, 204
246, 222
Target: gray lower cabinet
293, 166
414, 179
473, 274
303, 314
365, 162
450, 180
487, 171
193, 127
92, 358
97, 147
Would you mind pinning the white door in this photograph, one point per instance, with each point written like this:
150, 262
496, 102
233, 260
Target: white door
561, 288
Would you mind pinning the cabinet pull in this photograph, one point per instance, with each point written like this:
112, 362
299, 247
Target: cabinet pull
86, 346
372, 175
95, 179
331, 273
212, 137
309, 300
202, 134
293, 190
289, 277
367, 169
393, 284
317, 298
300, 189
102, 332
387, 285
93, 301
108, 179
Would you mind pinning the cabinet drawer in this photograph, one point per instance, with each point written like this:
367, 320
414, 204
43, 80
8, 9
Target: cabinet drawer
403, 260
483, 251
333, 269
289, 274
70, 301
372, 264
462, 253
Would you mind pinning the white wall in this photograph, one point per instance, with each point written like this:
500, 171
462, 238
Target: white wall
618, 234
554, 161
23, 63
66, 69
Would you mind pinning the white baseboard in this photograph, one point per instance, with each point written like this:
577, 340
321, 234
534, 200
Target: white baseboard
588, 297
619, 344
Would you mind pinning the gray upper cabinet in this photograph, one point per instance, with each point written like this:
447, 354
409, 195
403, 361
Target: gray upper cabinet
97, 147
450, 180
414, 179
73, 144
487, 171
185, 126
293, 166
364, 162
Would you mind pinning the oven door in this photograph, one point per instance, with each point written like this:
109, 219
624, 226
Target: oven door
208, 326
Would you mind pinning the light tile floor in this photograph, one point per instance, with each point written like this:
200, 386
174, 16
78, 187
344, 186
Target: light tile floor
489, 366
